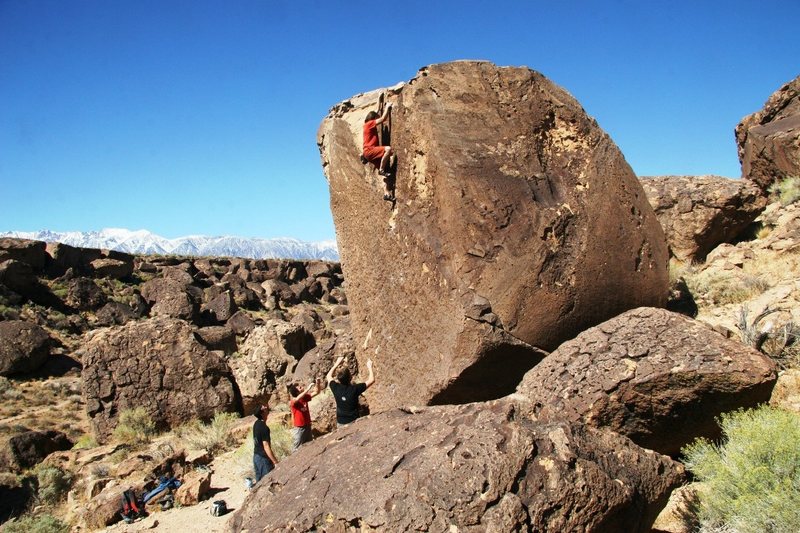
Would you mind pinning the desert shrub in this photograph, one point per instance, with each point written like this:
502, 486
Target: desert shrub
43, 523
281, 440
85, 442
53, 483
214, 436
725, 287
787, 190
135, 427
752, 478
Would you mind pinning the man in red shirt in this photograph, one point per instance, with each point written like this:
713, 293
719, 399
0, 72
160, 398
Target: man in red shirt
301, 417
376, 154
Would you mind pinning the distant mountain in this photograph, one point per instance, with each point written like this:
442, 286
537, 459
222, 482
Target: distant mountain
144, 242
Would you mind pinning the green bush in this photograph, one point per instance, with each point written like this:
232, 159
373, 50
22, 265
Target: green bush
213, 437
135, 427
54, 483
752, 478
788, 190
280, 440
43, 523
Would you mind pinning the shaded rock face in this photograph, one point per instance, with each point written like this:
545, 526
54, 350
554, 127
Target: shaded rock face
24, 347
698, 213
471, 468
657, 377
518, 224
156, 364
27, 449
769, 140
26, 251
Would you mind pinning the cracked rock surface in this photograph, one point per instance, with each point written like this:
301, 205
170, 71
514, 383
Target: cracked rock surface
470, 468
655, 376
517, 225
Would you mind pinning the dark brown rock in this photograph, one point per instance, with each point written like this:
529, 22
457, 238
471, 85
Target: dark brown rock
241, 323
220, 309
510, 195
24, 347
168, 297
26, 450
15, 497
698, 213
115, 313
769, 140
19, 277
218, 338
156, 364
64, 257
474, 467
83, 294
112, 268
657, 377
32, 253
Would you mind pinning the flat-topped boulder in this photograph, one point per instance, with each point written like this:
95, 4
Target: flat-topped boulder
473, 467
769, 140
24, 347
658, 377
518, 224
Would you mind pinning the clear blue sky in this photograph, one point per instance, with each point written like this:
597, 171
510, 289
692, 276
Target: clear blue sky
200, 117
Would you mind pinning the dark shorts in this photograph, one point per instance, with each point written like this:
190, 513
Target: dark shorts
262, 466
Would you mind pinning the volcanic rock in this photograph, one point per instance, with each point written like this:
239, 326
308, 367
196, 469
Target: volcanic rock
218, 338
63, 257
112, 268
115, 313
32, 253
84, 294
700, 212
472, 467
241, 323
26, 450
169, 298
19, 277
24, 347
657, 377
769, 140
267, 358
220, 308
511, 202
156, 364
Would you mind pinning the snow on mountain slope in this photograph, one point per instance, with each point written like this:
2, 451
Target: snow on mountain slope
145, 242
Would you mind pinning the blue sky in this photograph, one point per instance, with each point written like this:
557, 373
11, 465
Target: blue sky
200, 117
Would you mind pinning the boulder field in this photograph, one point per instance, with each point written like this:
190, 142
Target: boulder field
518, 224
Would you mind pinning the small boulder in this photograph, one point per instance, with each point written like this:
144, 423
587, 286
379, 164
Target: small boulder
786, 394
218, 338
112, 268
194, 487
168, 297
83, 294
32, 253
220, 309
24, 347
26, 450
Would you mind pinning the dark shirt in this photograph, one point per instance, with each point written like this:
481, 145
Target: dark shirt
346, 400
260, 435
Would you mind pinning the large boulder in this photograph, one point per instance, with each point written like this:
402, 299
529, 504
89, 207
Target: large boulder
518, 224
169, 297
266, 361
472, 467
107, 267
657, 377
700, 212
32, 253
24, 347
64, 257
769, 140
159, 365
27, 449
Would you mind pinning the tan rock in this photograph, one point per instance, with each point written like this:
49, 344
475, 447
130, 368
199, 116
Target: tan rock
193, 487
786, 393
680, 514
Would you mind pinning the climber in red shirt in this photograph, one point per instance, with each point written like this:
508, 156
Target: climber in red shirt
376, 154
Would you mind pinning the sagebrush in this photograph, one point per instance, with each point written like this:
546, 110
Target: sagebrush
135, 427
751, 480
214, 437
43, 523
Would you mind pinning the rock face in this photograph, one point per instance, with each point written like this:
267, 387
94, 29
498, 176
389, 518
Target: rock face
472, 467
518, 224
27, 449
700, 212
657, 377
769, 140
24, 347
156, 364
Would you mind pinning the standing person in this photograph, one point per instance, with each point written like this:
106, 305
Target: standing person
346, 394
301, 418
376, 154
263, 458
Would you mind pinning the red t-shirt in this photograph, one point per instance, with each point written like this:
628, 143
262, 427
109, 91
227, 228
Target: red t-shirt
370, 134
300, 415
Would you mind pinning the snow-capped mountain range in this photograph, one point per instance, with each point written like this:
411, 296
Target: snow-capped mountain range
144, 242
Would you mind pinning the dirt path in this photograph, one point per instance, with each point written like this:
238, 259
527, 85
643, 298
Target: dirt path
227, 483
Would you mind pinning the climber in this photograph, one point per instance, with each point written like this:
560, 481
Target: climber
346, 394
379, 156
